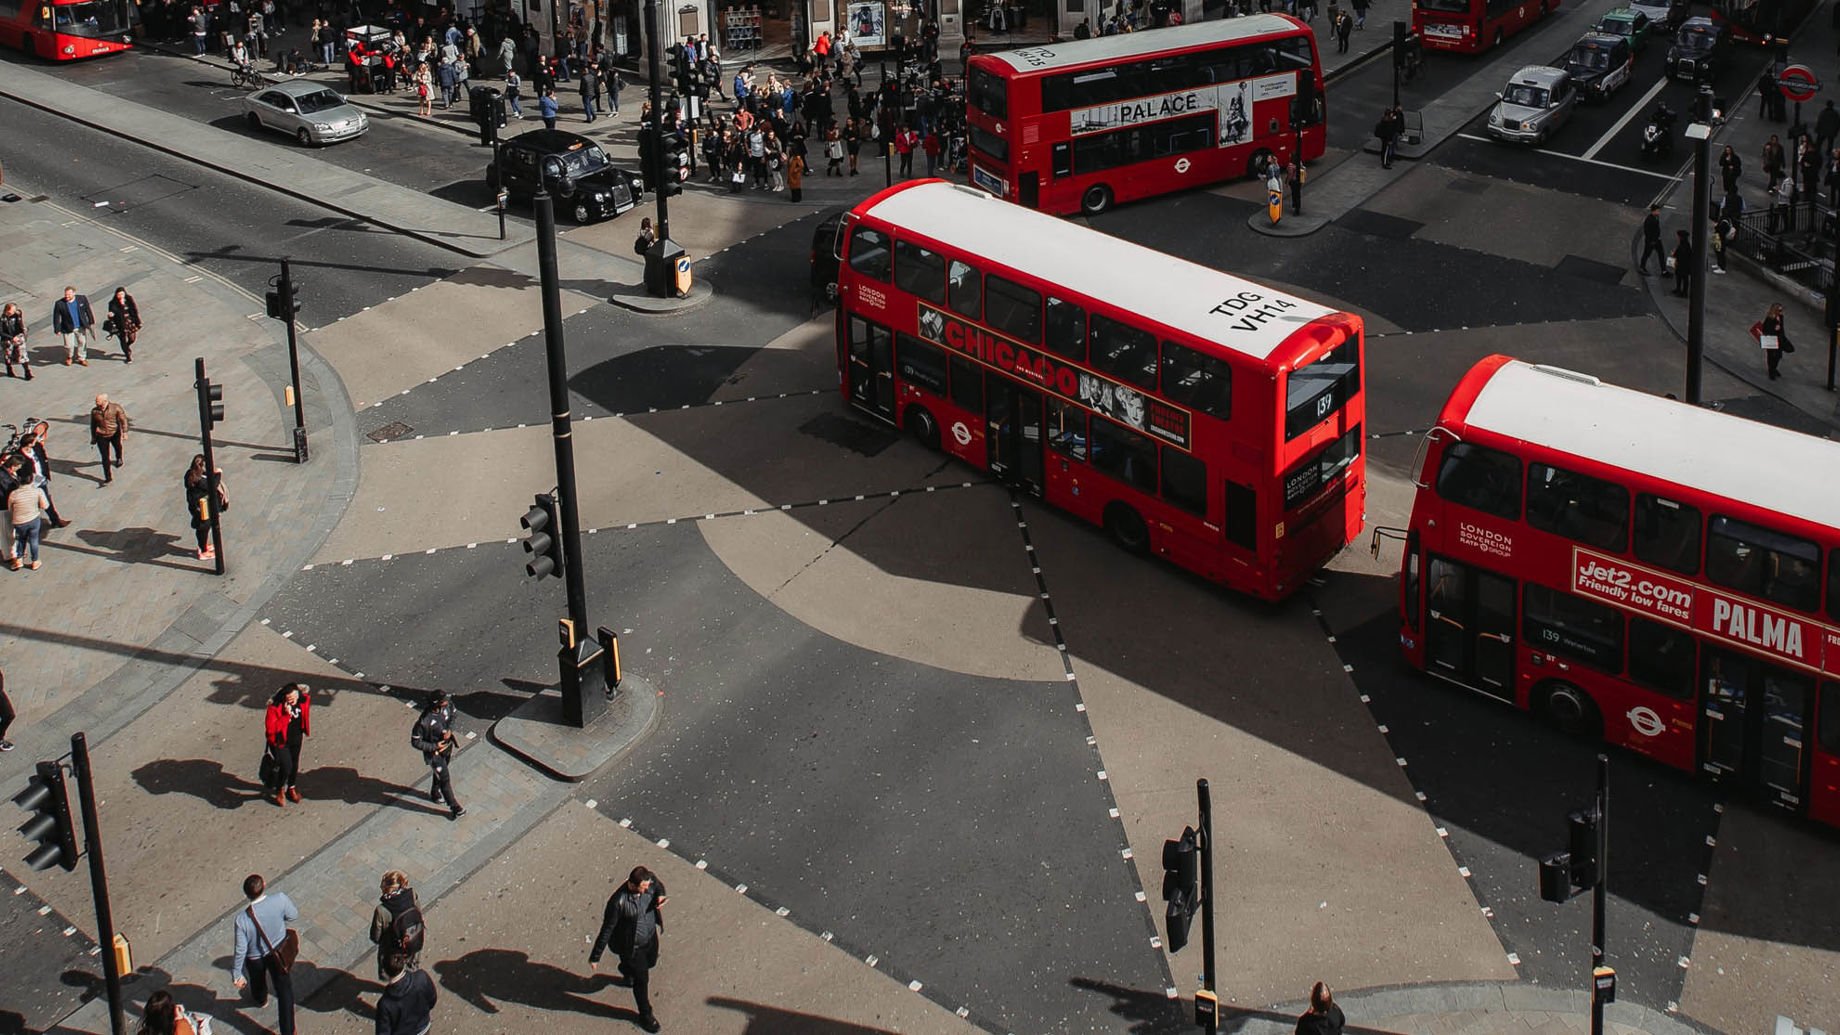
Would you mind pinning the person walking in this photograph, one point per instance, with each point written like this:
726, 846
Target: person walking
546, 109
434, 738
7, 714
589, 83
108, 425
264, 949
288, 723
10, 479
795, 175
630, 926
1772, 162
124, 322
611, 82
37, 468
905, 140
1782, 200
406, 1005
1682, 261
1360, 14
396, 925
1731, 167
13, 340
833, 152
512, 83
74, 323
1344, 26
1826, 128
1323, 1017
1651, 240
1722, 230
1771, 335
1389, 127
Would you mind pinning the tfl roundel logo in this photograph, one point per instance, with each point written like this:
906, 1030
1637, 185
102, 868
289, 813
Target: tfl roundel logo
1182, 165
1645, 721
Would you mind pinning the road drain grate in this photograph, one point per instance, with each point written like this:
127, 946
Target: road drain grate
390, 432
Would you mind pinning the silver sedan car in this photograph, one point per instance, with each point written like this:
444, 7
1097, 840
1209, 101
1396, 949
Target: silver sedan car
311, 113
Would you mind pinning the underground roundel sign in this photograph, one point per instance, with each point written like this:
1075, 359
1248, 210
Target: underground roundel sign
1645, 721
1181, 165
1798, 83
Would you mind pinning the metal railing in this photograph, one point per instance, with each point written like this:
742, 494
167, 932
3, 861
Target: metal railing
1799, 243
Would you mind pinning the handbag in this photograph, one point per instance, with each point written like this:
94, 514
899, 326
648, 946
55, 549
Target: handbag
270, 770
287, 952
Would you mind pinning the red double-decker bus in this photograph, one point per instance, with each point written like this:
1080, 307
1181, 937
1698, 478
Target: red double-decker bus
1192, 414
1637, 569
1079, 127
1768, 22
64, 30
1473, 26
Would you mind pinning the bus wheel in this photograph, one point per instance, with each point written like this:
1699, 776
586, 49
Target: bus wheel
1258, 164
1097, 199
1571, 711
922, 426
1498, 38
1127, 528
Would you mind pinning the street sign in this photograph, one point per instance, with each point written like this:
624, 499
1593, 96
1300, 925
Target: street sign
1798, 83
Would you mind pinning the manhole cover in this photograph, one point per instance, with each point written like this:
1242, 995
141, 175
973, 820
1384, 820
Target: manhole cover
841, 431
1468, 186
390, 432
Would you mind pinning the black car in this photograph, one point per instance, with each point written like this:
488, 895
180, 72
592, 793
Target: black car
1699, 51
583, 180
1600, 63
824, 260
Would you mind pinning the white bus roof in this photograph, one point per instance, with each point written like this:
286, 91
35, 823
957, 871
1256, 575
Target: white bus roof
1238, 315
1743, 460
1142, 44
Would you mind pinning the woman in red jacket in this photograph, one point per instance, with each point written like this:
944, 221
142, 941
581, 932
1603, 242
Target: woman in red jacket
288, 727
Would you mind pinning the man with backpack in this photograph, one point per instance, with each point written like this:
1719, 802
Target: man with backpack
396, 924
434, 738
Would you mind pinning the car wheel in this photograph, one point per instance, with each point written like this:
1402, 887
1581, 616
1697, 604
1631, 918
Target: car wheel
1127, 528
255, 121
305, 138
1258, 164
583, 214
1097, 199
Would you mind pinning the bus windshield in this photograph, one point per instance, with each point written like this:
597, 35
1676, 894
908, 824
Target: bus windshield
91, 18
986, 93
1319, 389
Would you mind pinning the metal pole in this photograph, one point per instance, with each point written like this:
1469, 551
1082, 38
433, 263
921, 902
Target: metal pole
1599, 892
656, 70
558, 363
1207, 890
300, 404
1696, 284
503, 195
98, 878
210, 465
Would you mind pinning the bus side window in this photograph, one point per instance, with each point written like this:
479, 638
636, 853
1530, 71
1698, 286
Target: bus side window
1123, 454
1124, 352
919, 272
1063, 159
1242, 515
1067, 429
1012, 309
1577, 506
1067, 330
1667, 533
1185, 481
1199, 382
1829, 718
1560, 623
920, 363
1763, 562
869, 253
965, 289
1485, 479
968, 385
1833, 584
1661, 658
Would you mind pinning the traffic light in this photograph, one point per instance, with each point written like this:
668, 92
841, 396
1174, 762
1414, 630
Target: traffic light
676, 171
49, 803
210, 402
545, 544
1585, 847
1181, 886
284, 301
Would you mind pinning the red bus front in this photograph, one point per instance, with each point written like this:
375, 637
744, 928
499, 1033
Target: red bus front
1084, 137
1769, 22
1472, 26
65, 30
1602, 642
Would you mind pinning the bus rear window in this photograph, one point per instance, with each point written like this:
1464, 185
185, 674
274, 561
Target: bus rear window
1316, 391
988, 93
985, 142
1302, 481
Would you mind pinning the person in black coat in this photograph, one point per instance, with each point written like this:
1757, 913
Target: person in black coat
1683, 263
1771, 328
630, 928
38, 467
407, 1001
1323, 1017
74, 321
124, 321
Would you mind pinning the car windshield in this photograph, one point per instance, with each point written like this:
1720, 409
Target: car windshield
1615, 26
94, 18
1447, 6
1525, 95
585, 160
1696, 38
1590, 59
317, 101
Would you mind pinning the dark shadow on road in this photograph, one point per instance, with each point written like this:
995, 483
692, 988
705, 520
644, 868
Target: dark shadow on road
202, 778
487, 977
774, 1020
1148, 1012
138, 546
343, 783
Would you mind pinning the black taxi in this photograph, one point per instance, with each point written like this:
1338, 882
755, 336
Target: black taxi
583, 180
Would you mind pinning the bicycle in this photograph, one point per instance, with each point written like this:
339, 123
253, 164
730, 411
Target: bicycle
245, 77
